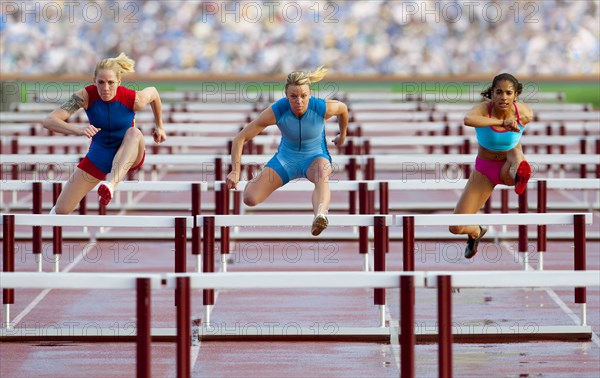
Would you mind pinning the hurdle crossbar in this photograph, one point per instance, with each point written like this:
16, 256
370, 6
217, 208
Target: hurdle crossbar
184, 283
291, 220
493, 219
124, 186
402, 159
136, 221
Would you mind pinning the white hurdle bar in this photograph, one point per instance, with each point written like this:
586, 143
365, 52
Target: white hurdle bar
579, 222
407, 222
194, 159
142, 283
407, 282
378, 222
296, 220
9, 221
405, 162
128, 187
184, 142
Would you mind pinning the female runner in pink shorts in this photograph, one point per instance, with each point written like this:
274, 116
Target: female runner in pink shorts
499, 124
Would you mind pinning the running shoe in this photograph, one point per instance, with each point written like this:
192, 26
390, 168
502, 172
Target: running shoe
105, 193
473, 243
319, 224
522, 177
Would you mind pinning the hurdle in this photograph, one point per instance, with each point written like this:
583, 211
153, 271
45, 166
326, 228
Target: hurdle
210, 162
408, 162
129, 187
394, 185
389, 280
446, 281
366, 204
563, 107
9, 221
443, 282
378, 222
459, 184
579, 222
459, 141
370, 96
409, 334
194, 188
142, 335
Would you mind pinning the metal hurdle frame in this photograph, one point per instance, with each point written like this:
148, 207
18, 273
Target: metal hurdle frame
374, 161
378, 222
579, 222
9, 221
406, 281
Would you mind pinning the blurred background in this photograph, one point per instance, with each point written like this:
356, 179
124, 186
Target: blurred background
429, 37
240, 47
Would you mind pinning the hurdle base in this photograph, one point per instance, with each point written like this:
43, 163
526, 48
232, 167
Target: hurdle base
482, 335
90, 334
511, 334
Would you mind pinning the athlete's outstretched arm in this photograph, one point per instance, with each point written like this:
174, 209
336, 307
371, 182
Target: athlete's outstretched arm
57, 120
264, 119
339, 109
525, 113
150, 96
478, 117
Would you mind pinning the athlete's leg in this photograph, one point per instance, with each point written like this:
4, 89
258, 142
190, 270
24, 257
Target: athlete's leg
516, 171
78, 185
262, 186
129, 155
476, 192
318, 173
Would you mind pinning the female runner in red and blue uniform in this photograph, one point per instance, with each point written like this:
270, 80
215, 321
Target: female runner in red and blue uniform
499, 124
117, 146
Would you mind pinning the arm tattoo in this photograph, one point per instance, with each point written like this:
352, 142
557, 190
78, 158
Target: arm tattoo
72, 104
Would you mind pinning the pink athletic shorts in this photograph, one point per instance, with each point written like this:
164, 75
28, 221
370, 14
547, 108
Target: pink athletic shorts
490, 169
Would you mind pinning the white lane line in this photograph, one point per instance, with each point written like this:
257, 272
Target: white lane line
394, 340
552, 294
68, 268
45, 292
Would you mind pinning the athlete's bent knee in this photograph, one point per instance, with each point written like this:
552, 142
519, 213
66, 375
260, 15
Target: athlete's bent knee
455, 229
250, 199
134, 133
59, 211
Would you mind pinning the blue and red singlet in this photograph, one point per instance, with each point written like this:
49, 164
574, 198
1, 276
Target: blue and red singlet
114, 118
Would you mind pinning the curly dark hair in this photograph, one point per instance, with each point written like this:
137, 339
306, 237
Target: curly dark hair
503, 76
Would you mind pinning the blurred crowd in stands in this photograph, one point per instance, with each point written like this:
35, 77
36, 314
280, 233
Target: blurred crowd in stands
429, 37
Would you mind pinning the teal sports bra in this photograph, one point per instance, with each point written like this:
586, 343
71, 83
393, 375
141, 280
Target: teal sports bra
498, 141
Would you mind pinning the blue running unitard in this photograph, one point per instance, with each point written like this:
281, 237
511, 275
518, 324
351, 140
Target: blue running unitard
302, 139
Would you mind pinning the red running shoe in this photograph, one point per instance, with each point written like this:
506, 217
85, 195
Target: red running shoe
522, 177
105, 193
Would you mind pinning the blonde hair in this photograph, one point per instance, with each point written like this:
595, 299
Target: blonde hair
120, 64
303, 77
